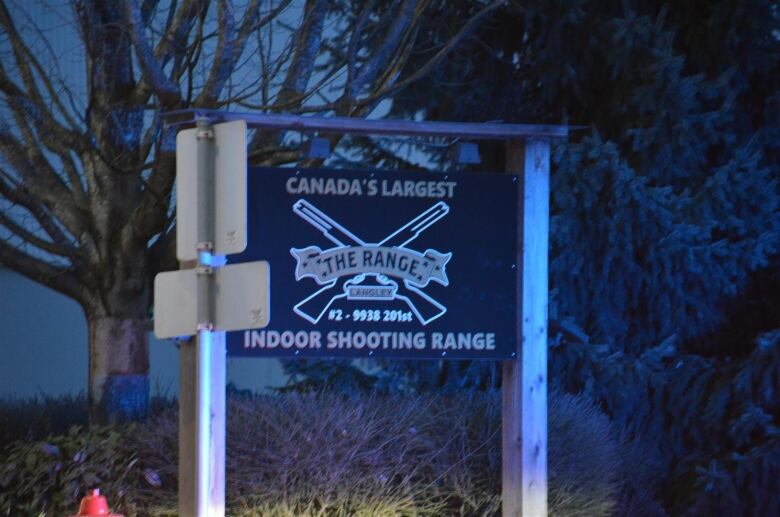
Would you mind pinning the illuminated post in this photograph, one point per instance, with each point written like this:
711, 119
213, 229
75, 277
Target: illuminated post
524, 384
202, 364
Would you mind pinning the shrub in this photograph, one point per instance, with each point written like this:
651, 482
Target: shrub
710, 424
581, 484
49, 477
325, 455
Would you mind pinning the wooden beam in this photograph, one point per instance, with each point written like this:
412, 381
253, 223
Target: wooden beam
188, 429
524, 384
490, 131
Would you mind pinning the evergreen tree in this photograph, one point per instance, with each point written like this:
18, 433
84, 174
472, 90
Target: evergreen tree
664, 208
665, 230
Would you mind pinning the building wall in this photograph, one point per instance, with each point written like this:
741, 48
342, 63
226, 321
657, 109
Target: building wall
43, 347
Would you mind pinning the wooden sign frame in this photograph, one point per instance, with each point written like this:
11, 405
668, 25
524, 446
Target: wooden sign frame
524, 385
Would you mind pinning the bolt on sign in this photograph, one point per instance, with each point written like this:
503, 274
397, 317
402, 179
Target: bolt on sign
384, 264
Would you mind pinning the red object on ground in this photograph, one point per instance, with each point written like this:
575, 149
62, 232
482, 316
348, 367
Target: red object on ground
95, 505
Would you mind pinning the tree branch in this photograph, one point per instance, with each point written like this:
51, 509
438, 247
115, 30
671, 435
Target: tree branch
225, 57
403, 20
360, 23
273, 157
305, 48
20, 196
59, 279
32, 97
163, 251
149, 216
72, 173
173, 41
307, 45
31, 238
39, 177
151, 68
172, 45
469, 26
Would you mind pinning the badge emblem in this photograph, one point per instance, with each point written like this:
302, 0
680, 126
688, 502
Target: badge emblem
357, 270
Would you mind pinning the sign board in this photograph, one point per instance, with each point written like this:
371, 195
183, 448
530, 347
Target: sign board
241, 299
384, 264
229, 190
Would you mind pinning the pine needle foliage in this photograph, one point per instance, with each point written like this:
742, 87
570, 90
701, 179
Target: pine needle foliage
709, 428
667, 204
665, 221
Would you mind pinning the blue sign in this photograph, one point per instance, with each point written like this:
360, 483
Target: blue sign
384, 264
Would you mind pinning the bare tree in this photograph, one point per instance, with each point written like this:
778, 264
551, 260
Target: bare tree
86, 177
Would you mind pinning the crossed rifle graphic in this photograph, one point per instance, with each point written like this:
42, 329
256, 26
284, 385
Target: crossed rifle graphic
423, 306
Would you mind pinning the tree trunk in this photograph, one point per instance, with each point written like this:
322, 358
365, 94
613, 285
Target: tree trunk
118, 370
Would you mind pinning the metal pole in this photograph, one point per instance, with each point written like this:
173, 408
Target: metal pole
202, 402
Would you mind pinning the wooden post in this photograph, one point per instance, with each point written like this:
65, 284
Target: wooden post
524, 385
